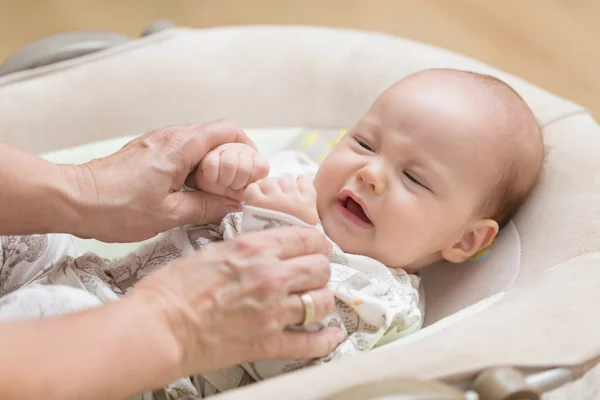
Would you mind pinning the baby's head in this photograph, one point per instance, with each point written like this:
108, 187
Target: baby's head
440, 162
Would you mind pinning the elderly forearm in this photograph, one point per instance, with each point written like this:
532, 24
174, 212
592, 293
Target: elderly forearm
111, 352
37, 196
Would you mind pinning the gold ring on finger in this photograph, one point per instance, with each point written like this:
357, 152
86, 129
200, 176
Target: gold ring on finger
309, 308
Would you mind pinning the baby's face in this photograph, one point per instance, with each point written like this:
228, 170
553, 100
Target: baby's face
407, 181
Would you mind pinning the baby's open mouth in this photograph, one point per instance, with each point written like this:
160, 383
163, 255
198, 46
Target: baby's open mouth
351, 205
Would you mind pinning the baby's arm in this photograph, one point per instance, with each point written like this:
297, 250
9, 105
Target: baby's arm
235, 171
296, 197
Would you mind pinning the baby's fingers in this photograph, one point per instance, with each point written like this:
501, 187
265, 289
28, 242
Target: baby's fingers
288, 184
304, 345
209, 167
305, 186
260, 169
243, 171
228, 166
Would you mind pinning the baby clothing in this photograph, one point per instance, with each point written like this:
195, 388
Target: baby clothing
374, 304
43, 275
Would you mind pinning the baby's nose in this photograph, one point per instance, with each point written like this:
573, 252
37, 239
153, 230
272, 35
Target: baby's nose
372, 177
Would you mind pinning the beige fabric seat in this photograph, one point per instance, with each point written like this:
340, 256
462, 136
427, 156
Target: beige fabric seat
301, 76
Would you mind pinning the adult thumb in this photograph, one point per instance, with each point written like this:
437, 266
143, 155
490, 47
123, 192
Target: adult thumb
197, 207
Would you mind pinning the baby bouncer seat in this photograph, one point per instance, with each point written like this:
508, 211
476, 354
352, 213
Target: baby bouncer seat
517, 322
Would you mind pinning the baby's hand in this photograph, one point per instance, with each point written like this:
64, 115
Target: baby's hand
229, 168
296, 197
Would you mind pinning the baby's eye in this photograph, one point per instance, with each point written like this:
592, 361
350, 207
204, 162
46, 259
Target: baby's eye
415, 180
364, 145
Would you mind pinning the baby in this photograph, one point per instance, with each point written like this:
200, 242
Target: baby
438, 165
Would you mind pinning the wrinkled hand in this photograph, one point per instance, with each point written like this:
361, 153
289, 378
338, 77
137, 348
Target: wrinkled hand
295, 197
231, 302
228, 169
135, 193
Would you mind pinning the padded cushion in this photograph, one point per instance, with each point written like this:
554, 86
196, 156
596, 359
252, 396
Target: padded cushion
258, 76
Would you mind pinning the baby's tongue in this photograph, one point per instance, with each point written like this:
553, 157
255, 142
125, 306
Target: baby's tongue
357, 210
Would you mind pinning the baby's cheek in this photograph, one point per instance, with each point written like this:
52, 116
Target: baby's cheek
320, 202
400, 237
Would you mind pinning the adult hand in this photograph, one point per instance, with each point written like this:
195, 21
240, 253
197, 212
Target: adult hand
135, 193
230, 302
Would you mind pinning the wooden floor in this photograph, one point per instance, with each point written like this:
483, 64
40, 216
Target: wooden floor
552, 43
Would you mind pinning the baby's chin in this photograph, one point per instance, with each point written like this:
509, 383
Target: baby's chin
350, 244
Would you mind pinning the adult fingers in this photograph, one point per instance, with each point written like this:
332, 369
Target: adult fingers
198, 182
288, 242
295, 312
220, 127
299, 345
306, 272
199, 139
196, 207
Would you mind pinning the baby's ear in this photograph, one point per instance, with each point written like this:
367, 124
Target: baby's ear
479, 235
